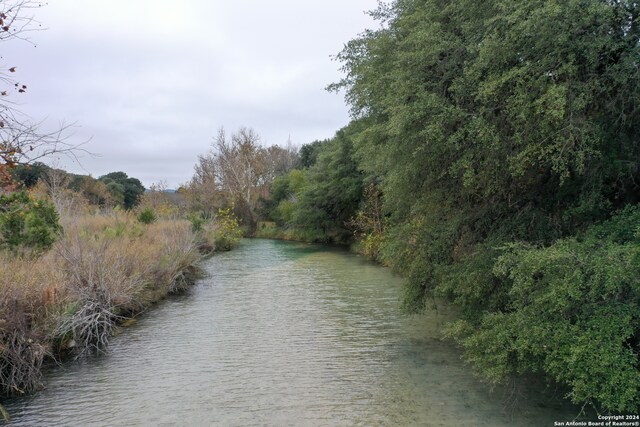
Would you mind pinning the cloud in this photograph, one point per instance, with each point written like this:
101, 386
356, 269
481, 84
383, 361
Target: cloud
150, 81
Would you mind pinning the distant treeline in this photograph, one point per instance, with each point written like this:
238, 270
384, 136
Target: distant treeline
110, 190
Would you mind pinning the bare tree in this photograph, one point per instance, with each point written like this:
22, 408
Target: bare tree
238, 170
240, 167
22, 140
204, 191
239, 161
279, 161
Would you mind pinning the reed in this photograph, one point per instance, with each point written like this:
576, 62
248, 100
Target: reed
67, 301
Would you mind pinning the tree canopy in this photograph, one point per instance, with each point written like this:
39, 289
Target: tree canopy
501, 123
126, 190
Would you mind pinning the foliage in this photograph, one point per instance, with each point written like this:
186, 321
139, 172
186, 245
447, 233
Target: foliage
369, 223
127, 191
284, 191
224, 231
108, 191
26, 223
147, 216
309, 153
319, 202
94, 191
29, 175
574, 314
197, 222
237, 172
497, 122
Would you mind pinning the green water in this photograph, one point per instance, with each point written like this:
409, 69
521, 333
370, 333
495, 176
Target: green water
284, 334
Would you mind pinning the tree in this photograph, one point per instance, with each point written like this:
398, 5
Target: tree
309, 153
96, 192
239, 163
204, 190
238, 171
495, 122
21, 140
28, 175
123, 188
27, 225
330, 193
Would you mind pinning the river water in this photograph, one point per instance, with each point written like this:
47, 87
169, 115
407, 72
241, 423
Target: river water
283, 334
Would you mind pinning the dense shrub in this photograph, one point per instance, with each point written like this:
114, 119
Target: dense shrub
224, 231
146, 216
27, 224
574, 313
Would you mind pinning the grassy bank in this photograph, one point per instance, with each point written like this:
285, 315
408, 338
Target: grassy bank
67, 301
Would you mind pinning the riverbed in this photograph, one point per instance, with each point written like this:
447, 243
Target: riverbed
278, 334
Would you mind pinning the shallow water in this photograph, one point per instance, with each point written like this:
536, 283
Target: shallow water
283, 334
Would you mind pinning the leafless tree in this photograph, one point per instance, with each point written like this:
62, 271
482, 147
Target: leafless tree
22, 140
238, 170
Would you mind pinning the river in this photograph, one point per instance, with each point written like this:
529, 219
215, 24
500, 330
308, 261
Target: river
280, 334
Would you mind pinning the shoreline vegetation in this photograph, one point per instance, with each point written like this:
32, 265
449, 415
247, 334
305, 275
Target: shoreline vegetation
66, 301
492, 160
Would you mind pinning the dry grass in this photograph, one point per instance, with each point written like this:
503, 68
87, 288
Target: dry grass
104, 268
30, 293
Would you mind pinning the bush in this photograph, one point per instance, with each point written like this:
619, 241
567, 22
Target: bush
197, 222
225, 232
27, 224
68, 301
147, 216
574, 313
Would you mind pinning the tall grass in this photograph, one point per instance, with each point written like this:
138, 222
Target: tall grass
67, 301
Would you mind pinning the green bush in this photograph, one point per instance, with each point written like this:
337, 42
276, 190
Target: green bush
225, 231
197, 222
147, 216
574, 313
27, 224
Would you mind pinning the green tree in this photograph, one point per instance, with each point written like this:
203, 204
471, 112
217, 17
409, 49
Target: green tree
27, 224
494, 122
309, 153
28, 175
123, 188
331, 192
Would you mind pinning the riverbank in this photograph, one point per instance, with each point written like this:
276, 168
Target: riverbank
66, 302
280, 333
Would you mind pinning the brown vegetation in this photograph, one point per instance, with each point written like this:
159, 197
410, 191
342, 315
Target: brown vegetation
67, 302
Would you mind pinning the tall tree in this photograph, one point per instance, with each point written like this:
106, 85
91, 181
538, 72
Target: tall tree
239, 171
492, 122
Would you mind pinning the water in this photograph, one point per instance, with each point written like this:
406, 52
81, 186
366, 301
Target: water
283, 334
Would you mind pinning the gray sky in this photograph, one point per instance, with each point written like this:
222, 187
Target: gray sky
150, 81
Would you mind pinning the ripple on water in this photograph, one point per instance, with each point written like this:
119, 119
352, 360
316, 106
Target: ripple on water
281, 334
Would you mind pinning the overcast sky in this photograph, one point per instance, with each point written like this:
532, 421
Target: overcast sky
150, 81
